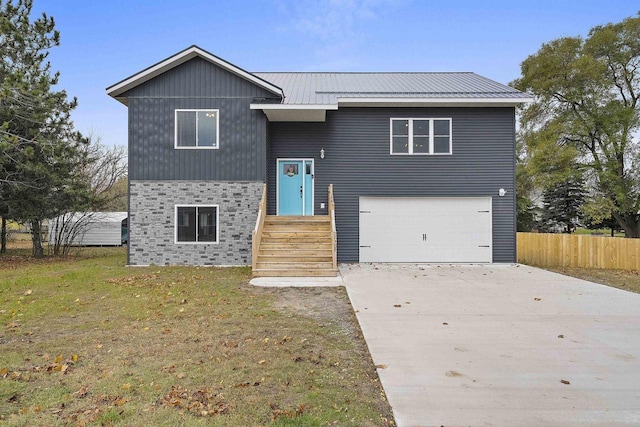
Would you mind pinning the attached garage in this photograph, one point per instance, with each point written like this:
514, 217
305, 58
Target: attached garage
426, 229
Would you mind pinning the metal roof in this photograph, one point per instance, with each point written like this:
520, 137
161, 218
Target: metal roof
311, 88
316, 92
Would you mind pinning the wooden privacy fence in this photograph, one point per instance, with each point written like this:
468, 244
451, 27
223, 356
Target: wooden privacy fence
565, 250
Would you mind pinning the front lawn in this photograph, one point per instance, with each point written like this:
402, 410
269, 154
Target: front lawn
88, 341
628, 280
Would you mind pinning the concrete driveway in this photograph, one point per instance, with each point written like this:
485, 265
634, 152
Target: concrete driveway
499, 345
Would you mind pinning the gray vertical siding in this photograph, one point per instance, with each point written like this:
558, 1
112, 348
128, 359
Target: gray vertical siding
357, 162
196, 84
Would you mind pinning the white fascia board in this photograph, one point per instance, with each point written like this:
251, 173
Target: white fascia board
433, 102
294, 112
293, 107
180, 58
296, 115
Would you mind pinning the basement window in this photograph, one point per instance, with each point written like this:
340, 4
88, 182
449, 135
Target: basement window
197, 129
196, 224
420, 136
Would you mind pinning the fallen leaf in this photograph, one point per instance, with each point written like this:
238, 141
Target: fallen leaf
445, 323
397, 305
537, 299
81, 393
381, 366
560, 336
262, 362
126, 386
29, 292
565, 382
181, 375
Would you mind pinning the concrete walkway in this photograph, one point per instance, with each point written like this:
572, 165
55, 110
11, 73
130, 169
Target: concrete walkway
499, 345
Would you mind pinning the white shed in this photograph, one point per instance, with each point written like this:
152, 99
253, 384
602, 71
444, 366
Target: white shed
88, 228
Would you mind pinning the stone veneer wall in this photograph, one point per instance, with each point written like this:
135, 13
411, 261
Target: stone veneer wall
151, 221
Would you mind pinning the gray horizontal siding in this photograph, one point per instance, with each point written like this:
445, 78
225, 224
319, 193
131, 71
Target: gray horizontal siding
196, 84
357, 162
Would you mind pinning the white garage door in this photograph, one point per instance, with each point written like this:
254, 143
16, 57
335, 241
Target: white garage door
439, 230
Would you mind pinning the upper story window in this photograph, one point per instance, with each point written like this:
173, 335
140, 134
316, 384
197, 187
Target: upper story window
421, 136
196, 224
197, 128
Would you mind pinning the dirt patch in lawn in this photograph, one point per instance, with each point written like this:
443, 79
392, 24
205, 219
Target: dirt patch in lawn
325, 304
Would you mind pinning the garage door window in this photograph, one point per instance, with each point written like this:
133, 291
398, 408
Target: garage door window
420, 136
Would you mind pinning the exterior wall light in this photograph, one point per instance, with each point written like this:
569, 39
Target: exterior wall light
502, 192
322, 153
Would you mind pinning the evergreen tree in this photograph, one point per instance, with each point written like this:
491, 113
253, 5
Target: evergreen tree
38, 144
562, 204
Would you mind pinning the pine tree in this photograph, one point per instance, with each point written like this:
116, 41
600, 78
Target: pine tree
38, 144
562, 202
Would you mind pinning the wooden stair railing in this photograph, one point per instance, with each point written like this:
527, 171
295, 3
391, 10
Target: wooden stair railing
334, 234
256, 236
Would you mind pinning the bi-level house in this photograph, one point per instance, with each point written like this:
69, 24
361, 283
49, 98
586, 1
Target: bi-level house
292, 172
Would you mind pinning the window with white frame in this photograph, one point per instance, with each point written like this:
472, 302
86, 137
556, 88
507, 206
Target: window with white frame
197, 128
420, 136
196, 224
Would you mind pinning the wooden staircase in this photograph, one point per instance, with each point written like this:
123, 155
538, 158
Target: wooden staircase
295, 246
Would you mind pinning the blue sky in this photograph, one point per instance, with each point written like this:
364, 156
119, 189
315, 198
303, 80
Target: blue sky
103, 42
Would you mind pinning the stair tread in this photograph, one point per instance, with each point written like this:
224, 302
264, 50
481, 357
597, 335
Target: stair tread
295, 273
302, 264
290, 255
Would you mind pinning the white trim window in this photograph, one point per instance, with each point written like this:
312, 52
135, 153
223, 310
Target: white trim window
197, 129
418, 136
196, 224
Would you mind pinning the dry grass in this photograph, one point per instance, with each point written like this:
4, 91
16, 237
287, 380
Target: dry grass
87, 341
623, 279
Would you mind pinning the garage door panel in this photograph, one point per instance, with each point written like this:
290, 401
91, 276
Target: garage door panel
425, 229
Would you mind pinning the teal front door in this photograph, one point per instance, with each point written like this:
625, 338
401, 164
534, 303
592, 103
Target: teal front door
295, 187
